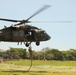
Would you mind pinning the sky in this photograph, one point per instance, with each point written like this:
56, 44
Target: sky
63, 34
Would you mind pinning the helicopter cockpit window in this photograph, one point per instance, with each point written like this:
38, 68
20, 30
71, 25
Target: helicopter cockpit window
44, 32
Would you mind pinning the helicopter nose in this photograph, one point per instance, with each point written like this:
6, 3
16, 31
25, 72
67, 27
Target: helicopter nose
48, 37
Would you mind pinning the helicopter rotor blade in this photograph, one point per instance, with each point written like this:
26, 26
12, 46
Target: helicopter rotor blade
39, 11
50, 21
22, 21
26, 21
9, 20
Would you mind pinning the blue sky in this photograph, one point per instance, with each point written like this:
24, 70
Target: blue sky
63, 35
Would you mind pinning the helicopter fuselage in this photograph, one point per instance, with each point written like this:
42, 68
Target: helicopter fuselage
23, 33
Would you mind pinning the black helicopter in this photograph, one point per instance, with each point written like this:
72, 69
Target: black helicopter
22, 32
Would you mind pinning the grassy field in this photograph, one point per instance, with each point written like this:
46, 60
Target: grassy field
39, 67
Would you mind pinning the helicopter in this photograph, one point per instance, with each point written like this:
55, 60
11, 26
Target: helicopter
22, 32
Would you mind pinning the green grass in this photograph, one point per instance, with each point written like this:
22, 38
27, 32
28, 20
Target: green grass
39, 67
42, 62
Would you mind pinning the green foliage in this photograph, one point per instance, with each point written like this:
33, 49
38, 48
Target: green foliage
15, 53
55, 54
45, 54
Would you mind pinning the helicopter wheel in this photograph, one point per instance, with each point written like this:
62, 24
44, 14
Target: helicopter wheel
27, 44
37, 43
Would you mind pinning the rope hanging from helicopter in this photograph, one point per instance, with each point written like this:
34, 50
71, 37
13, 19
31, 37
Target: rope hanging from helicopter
30, 51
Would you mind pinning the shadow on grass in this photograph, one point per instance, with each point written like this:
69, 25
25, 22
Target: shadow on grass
23, 71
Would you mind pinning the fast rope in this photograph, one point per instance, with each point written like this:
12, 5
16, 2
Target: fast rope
30, 51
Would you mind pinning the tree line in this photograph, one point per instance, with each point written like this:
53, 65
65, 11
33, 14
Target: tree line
45, 54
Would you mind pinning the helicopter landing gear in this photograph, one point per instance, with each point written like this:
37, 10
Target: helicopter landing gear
37, 43
27, 44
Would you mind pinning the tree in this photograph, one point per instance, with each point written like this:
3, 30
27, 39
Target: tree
16, 53
35, 55
52, 54
25, 54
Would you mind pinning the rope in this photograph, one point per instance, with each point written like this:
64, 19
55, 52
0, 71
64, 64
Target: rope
30, 51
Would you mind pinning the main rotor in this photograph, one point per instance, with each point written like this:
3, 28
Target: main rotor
27, 20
